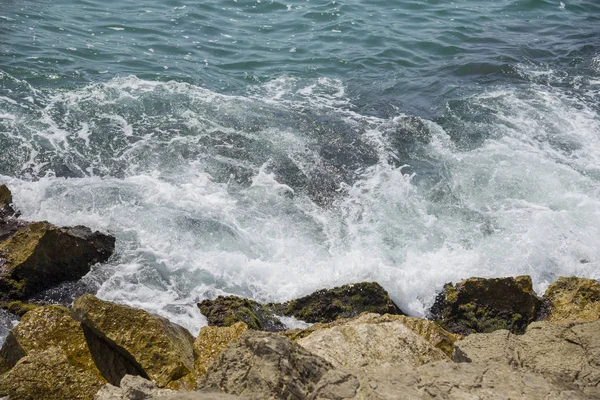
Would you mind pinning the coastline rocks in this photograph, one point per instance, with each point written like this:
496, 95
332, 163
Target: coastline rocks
346, 301
569, 355
211, 341
573, 299
479, 305
43, 328
48, 375
6, 209
263, 365
160, 350
368, 342
227, 310
39, 255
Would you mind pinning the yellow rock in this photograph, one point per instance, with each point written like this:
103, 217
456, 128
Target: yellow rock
211, 341
573, 299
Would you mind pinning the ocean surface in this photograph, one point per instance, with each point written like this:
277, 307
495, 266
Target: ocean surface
272, 148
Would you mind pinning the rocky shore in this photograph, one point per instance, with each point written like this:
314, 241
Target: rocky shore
484, 338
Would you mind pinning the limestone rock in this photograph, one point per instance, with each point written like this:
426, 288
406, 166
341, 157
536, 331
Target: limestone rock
43, 328
368, 342
163, 351
211, 341
573, 299
485, 305
48, 375
39, 255
263, 365
227, 310
569, 355
440, 381
341, 302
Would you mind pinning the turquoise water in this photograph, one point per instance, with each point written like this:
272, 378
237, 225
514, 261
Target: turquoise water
269, 149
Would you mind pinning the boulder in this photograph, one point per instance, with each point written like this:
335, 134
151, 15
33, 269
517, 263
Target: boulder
161, 350
485, 305
6, 209
440, 381
341, 302
369, 342
18, 308
39, 255
227, 310
573, 299
48, 375
211, 341
43, 328
263, 365
569, 355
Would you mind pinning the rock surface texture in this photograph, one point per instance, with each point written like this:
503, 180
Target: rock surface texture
263, 365
479, 305
573, 299
227, 310
569, 355
162, 351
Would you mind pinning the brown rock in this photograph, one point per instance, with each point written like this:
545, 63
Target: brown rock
573, 299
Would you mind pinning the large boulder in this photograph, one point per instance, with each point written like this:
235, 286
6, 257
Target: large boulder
162, 351
440, 381
341, 302
39, 255
573, 299
211, 341
263, 365
569, 355
228, 310
49, 375
485, 305
43, 328
369, 342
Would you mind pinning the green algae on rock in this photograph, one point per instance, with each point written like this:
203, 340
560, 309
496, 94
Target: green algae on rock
45, 327
49, 375
228, 310
18, 308
346, 301
162, 350
479, 305
40, 255
573, 299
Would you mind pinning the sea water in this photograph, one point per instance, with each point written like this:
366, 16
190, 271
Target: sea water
268, 148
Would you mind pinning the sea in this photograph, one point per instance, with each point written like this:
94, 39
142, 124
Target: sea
270, 148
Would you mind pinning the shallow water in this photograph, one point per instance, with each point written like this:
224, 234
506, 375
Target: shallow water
270, 149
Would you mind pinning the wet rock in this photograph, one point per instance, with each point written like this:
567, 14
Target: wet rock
263, 365
48, 375
486, 305
43, 328
162, 351
18, 308
40, 255
227, 310
573, 299
370, 341
566, 354
341, 302
6, 209
440, 381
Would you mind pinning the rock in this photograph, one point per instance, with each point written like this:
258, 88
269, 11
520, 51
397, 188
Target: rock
40, 255
370, 342
18, 308
227, 310
486, 305
573, 300
440, 381
137, 388
162, 351
43, 328
263, 365
48, 375
6, 209
569, 355
341, 302
211, 341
